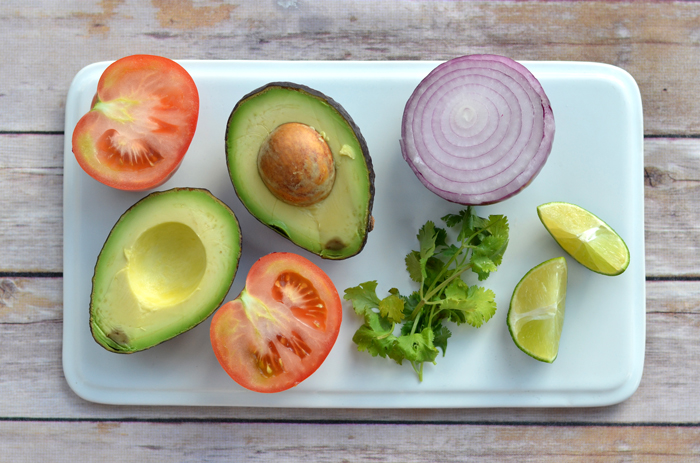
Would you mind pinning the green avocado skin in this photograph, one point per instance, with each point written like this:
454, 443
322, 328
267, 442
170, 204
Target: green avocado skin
338, 226
166, 266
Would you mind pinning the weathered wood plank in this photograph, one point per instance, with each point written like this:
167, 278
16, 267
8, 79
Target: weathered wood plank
257, 442
31, 222
32, 384
673, 298
672, 215
26, 301
655, 41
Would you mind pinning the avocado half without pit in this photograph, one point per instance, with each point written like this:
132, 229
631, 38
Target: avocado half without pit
167, 264
300, 165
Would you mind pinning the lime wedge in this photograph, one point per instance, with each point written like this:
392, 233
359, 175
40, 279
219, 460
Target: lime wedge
585, 237
536, 313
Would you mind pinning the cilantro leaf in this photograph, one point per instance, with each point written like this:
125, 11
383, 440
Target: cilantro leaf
482, 265
391, 308
487, 256
476, 308
433, 269
364, 297
450, 251
413, 266
426, 238
442, 295
457, 289
452, 220
497, 225
440, 237
417, 347
442, 334
410, 303
467, 220
376, 343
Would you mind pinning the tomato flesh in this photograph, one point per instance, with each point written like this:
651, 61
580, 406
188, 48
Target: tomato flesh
141, 123
281, 327
299, 294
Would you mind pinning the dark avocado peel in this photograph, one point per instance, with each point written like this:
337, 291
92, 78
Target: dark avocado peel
333, 224
166, 266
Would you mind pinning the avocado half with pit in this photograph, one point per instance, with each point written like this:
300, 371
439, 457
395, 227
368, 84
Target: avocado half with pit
301, 166
166, 266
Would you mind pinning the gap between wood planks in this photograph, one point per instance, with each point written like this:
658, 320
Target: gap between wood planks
558, 424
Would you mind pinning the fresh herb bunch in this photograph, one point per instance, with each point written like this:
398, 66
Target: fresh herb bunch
442, 296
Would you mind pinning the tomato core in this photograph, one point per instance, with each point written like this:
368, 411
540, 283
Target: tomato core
125, 154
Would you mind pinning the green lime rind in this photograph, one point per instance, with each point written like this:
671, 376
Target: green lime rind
588, 249
536, 313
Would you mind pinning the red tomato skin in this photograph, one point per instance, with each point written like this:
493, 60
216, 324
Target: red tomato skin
180, 96
231, 326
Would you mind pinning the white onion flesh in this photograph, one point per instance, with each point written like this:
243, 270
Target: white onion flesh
478, 129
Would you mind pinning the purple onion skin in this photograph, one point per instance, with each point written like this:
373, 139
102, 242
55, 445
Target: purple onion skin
522, 177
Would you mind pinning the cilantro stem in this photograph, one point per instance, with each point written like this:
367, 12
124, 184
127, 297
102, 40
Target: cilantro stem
432, 313
389, 332
458, 271
447, 281
415, 324
452, 260
424, 300
465, 245
419, 371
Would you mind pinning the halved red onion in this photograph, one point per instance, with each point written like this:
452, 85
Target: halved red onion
477, 129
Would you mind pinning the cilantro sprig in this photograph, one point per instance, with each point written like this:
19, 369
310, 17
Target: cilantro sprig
442, 296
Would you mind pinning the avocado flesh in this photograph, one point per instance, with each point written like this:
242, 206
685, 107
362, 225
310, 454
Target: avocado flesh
167, 264
337, 226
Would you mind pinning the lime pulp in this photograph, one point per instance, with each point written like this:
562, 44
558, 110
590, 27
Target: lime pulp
536, 313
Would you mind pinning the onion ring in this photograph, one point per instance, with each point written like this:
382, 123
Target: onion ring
477, 129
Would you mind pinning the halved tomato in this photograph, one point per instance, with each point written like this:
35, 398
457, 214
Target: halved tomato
141, 123
281, 327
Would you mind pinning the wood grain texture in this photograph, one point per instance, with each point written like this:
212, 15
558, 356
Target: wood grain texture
672, 215
654, 41
256, 442
31, 201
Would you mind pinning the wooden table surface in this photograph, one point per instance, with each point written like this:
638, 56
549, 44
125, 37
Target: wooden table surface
45, 43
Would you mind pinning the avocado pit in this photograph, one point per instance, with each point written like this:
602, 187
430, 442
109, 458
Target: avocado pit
296, 164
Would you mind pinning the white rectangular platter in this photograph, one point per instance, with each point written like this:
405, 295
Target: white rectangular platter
596, 162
